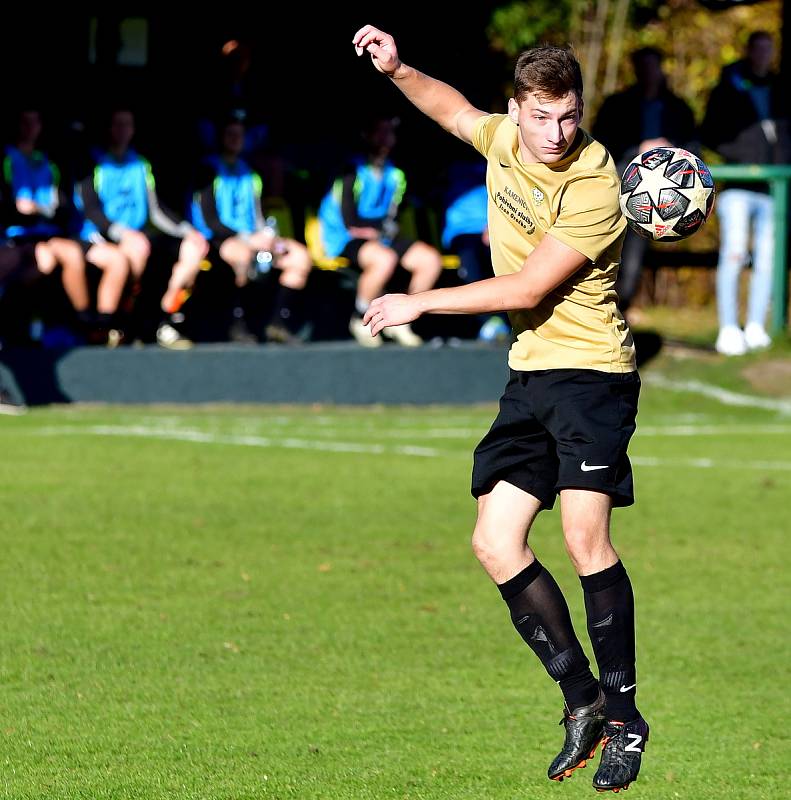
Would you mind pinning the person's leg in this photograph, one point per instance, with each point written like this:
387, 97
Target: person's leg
45, 260
69, 255
538, 609
763, 264
294, 264
190, 260
115, 271
609, 605
631, 269
377, 264
734, 218
424, 263
237, 254
540, 615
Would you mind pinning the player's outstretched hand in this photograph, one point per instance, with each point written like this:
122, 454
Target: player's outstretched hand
390, 310
381, 47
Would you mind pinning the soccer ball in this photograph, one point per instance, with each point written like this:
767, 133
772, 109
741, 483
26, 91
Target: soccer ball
666, 194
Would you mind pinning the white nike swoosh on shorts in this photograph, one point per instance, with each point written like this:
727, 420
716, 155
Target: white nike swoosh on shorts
586, 468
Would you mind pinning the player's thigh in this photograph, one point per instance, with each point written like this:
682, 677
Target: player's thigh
67, 251
375, 255
107, 257
733, 210
420, 255
234, 251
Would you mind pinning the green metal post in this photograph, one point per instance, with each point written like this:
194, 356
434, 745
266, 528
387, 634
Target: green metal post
778, 178
780, 275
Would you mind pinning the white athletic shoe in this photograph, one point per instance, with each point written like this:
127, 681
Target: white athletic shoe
756, 337
171, 338
403, 335
362, 333
730, 341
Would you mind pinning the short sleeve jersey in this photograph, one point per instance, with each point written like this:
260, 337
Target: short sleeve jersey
575, 200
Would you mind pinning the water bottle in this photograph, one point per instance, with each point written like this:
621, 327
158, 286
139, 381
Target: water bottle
264, 259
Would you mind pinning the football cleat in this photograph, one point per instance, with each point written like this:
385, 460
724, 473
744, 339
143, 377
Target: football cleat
584, 730
622, 750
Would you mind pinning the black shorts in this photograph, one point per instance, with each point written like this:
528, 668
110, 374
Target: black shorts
400, 244
18, 263
561, 429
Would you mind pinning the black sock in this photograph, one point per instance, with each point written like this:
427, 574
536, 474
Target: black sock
105, 320
285, 302
541, 616
609, 603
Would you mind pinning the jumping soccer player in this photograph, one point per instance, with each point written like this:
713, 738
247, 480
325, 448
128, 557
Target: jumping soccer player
569, 408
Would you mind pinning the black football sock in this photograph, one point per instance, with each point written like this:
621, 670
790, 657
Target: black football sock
285, 303
609, 604
541, 616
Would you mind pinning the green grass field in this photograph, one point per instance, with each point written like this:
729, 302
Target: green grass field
282, 603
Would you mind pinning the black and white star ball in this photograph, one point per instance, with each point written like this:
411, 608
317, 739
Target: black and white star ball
666, 194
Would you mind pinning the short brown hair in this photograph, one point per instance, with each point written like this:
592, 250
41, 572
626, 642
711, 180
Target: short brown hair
548, 71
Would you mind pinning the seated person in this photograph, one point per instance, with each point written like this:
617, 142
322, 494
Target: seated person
120, 204
466, 233
228, 211
358, 222
36, 210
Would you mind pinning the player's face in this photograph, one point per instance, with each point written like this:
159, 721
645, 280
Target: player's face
122, 129
760, 54
29, 126
382, 137
233, 139
546, 127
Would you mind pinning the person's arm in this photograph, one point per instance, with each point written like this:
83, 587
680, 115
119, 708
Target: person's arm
446, 106
164, 219
208, 207
93, 210
548, 266
358, 227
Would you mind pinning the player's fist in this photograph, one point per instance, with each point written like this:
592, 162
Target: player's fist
381, 47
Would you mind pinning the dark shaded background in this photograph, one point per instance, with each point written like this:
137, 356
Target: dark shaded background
311, 88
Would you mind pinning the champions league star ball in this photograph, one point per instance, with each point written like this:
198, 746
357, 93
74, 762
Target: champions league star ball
666, 194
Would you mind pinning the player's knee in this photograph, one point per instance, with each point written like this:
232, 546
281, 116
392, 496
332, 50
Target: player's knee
487, 546
582, 545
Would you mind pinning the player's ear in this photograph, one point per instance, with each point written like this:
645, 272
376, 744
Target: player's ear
513, 110
580, 109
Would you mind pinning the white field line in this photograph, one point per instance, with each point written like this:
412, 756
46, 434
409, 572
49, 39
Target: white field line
203, 437
711, 463
724, 396
175, 427
370, 449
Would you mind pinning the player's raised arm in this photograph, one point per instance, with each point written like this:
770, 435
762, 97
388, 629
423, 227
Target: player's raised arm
436, 99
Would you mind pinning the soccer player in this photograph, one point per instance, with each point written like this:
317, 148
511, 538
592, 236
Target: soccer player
120, 205
569, 408
358, 222
227, 210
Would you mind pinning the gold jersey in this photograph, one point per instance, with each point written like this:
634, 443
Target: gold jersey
575, 200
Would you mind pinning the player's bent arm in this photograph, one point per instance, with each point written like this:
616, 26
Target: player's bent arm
549, 265
439, 101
